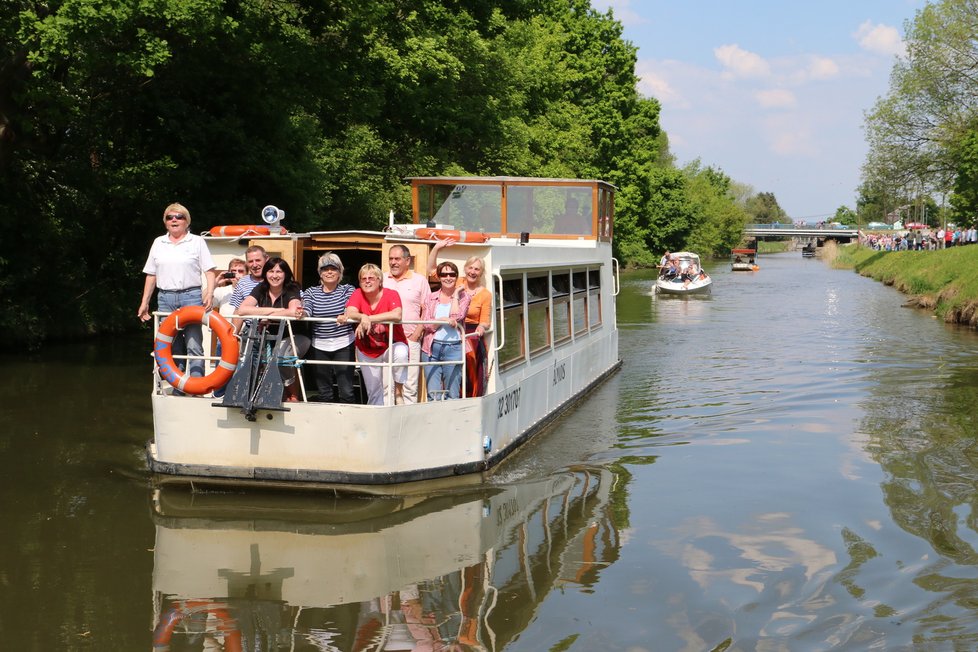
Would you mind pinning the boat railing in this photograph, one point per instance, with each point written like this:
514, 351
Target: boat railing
298, 361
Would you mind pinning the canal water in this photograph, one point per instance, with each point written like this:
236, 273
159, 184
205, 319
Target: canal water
788, 464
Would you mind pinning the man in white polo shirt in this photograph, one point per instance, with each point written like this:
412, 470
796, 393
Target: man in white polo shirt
413, 289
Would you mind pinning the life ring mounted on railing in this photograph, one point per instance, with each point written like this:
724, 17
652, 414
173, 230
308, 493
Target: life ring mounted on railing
238, 230
458, 236
163, 350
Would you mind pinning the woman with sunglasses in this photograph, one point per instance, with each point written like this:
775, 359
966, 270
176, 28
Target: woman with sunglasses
442, 341
177, 261
331, 341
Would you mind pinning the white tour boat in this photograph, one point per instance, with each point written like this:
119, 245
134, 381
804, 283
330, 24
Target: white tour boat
546, 244
683, 276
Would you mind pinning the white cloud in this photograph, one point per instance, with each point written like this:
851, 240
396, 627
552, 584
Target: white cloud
823, 68
879, 39
776, 98
741, 63
622, 11
653, 83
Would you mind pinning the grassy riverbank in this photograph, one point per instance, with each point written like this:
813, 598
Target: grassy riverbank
944, 281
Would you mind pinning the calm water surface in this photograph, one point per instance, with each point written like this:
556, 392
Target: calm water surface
788, 464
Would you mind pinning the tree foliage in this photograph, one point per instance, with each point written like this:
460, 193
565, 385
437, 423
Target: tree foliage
916, 132
109, 110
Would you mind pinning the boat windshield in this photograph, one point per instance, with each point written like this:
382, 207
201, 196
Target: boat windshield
529, 207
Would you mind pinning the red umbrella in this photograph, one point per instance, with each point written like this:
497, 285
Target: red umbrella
914, 225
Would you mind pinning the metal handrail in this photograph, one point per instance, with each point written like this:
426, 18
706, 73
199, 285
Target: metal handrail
460, 328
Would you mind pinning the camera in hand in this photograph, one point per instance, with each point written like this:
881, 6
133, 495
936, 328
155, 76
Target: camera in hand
227, 275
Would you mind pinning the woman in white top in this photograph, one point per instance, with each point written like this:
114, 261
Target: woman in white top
176, 262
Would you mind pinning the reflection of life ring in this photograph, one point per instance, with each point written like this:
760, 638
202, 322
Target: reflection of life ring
235, 230
163, 350
457, 236
227, 625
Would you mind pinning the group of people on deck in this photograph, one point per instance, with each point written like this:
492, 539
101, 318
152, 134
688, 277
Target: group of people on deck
365, 321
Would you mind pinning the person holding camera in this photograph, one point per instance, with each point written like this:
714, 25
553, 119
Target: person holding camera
226, 283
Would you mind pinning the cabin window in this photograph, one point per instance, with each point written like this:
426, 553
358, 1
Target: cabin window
606, 209
513, 351
580, 302
538, 312
560, 291
476, 207
594, 297
550, 209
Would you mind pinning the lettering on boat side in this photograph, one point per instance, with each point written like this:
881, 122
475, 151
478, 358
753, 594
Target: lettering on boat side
166, 371
559, 372
506, 511
508, 403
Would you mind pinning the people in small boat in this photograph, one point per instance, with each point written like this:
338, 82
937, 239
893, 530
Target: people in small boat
413, 289
255, 259
278, 295
177, 260
370, 305
478, 318
331, 342
442, 341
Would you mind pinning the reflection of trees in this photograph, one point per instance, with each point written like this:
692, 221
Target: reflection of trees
920, 424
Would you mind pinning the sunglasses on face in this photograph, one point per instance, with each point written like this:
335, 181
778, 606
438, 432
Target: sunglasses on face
176, 216
448, 275
329, 268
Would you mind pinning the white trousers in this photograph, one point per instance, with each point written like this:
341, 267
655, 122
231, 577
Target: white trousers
376, 379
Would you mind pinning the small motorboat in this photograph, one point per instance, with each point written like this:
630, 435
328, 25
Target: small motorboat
683, 274
808, 251
743, 260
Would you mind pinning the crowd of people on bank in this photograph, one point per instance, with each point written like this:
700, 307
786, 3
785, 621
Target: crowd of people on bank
920, 239
376, 322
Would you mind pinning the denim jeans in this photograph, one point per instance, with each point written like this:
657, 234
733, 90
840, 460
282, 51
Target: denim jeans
444, 381
190, 339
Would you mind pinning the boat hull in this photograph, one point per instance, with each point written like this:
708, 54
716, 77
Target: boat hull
676, 287
368, 448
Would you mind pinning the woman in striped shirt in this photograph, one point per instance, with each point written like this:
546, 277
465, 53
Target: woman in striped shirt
331, 341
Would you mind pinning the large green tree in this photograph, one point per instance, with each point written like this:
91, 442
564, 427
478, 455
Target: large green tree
109, 110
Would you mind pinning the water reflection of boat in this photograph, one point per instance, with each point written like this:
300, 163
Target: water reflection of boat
415, 572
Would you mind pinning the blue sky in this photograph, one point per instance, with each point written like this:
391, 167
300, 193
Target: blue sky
771, 92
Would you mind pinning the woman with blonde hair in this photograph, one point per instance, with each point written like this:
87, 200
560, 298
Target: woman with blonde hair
478, 317
370, 305
177, 260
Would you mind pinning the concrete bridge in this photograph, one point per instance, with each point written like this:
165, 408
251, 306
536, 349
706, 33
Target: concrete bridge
805, 231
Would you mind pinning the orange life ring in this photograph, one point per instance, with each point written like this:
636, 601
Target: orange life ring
227, 625
235, 230
457, 236
163, 350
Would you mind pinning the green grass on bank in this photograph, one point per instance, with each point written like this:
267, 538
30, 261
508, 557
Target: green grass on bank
945, 281
774, 246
